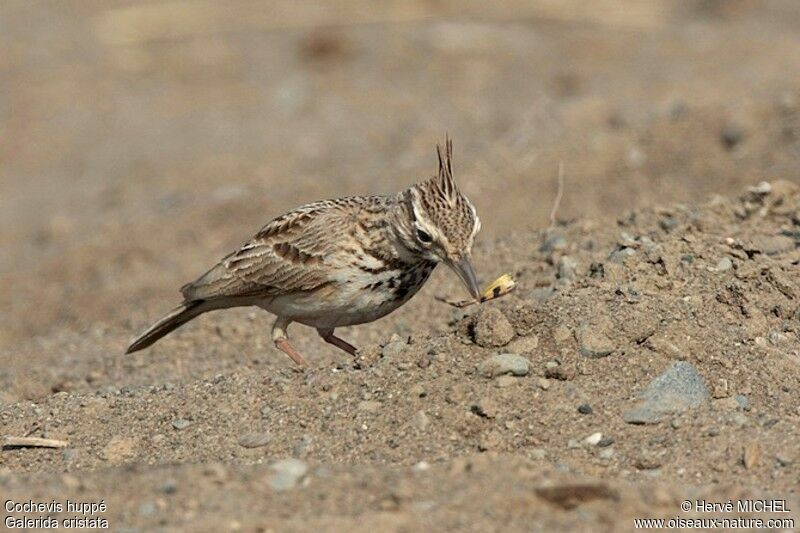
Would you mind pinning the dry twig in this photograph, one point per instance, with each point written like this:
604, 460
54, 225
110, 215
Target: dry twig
33, 442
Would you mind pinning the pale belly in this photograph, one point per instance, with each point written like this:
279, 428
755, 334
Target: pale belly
355, 302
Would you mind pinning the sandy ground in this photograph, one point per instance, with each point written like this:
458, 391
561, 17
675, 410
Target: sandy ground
142, 141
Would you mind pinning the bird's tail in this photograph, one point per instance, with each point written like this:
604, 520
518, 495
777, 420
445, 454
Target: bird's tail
173, 320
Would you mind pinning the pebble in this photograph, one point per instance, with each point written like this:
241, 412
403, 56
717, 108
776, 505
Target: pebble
421, 421
544, 383
286, 474
553, 242
724, 264
593, 439
605, 442
254, 440
742, 402
369, 406
181, 423
585, 409
537, 454
561, 334
564, 372
619, 256
505, 381
731, 135
594, 343
492, 328
677, 389
606, 453
417, 390
505, 363
523, 344
485, 407
668, 223
647, 461
566, 268
394, 347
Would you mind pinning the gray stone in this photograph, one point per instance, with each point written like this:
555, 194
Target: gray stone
566, 268
421, 420
724, 264
594, 343
677, 389
504, 363
181, 423
254, 440
553, 242
742, 402
394, 348
286, 474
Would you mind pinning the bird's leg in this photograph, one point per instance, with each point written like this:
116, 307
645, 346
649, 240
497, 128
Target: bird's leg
328, 336
281, 341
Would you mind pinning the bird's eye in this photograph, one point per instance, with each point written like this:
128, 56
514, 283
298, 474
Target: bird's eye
424, 237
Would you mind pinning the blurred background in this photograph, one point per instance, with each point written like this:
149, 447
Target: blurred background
142, 140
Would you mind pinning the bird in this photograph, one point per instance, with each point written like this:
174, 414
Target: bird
339, 262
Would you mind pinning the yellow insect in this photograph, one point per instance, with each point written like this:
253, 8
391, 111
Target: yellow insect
499, 287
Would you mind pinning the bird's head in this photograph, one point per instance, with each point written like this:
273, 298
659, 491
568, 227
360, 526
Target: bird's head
442, 222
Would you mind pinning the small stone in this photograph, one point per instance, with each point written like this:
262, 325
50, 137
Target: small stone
731, 135
677, 389
421, 421
566, 268
724, 265
783, 460
561, 334
394, 348
553, 242
505, 381
593, 439
573, 444
742, 402
506, 363
605, 442
286, 474
417, 391
147, 509
492, 329
619, 256
585, 409
181, 423
544, 383
561, 372
537, 454
254, 440
421, 466
369, 406
485, 407
668, 223
594, 343
169, 487
606, 453
523, 345
647, 461
751, 455
713, 432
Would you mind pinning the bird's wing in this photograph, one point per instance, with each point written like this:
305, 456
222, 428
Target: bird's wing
287, 255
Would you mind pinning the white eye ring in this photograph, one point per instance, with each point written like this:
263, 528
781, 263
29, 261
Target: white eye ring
424, 237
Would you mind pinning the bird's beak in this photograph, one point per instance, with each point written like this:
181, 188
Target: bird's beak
467, 274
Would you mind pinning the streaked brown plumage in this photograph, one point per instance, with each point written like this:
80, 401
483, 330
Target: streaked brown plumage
339, 262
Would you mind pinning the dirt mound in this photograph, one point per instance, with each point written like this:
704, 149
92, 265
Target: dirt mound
536, 390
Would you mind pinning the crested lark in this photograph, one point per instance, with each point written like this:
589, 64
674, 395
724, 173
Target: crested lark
339, 262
